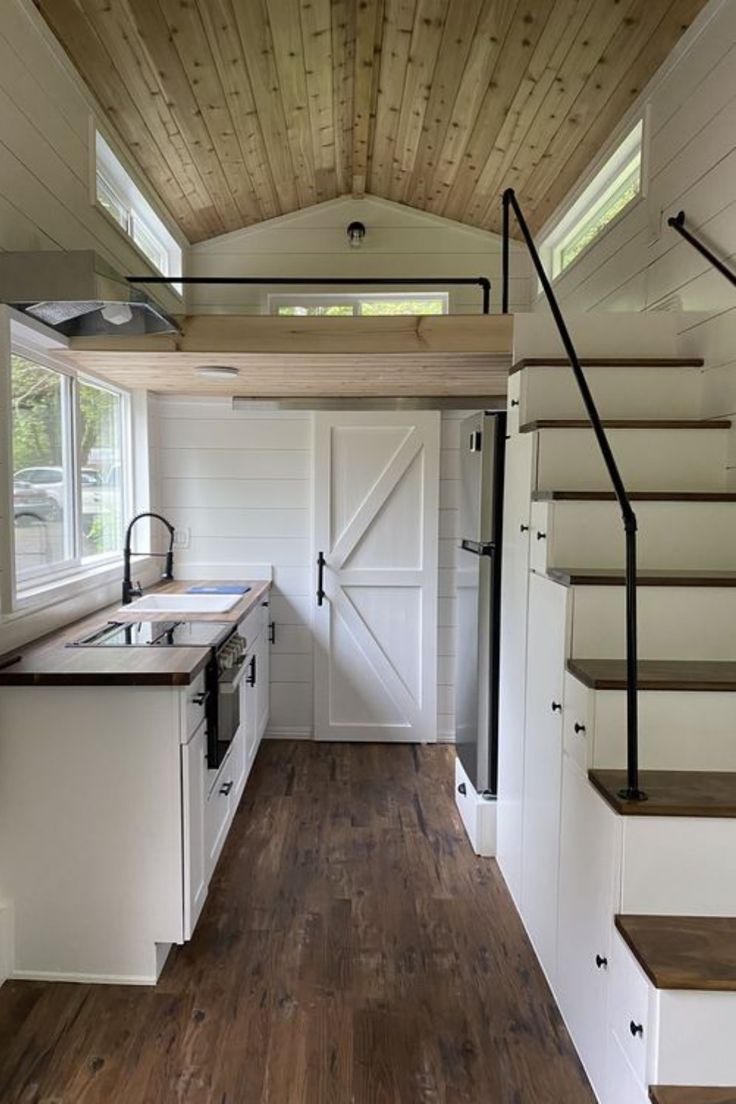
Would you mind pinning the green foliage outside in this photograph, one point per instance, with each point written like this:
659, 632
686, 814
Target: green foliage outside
366, 307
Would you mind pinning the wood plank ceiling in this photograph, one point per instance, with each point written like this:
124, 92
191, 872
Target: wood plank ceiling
240, 110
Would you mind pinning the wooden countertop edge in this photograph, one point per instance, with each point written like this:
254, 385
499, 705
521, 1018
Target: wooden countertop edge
37, 667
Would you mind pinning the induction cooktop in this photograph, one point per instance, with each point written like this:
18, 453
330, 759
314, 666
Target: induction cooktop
162, 634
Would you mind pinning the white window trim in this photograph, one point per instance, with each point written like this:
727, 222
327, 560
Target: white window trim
599, 181
76, 576
117, 179
327, 299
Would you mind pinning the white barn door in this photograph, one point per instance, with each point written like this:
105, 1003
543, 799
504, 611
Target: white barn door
376, 519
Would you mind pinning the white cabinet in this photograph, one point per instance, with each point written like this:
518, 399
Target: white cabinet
590, 839
263, 676
193, 767
217, 812
514, 590
543, 765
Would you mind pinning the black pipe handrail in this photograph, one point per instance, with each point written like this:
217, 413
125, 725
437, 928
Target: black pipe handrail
678, 223
632, 791
338, 281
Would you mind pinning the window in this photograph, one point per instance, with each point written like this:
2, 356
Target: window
354, 305
609, 193
69, 465
117, 194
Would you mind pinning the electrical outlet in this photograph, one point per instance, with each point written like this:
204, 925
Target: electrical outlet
182, 537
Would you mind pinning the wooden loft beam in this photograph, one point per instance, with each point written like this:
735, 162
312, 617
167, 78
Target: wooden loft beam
451, 355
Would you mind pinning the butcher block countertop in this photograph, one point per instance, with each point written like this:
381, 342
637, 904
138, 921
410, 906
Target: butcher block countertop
49, 662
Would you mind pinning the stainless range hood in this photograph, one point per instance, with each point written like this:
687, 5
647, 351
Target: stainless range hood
79, 294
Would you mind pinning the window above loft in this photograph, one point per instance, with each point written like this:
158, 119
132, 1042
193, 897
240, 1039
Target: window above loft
611, 191
119, 197
357, 305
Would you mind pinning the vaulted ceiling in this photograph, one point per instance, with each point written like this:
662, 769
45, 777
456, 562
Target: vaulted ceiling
240, 110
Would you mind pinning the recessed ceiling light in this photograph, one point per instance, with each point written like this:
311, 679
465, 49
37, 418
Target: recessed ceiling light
217, 371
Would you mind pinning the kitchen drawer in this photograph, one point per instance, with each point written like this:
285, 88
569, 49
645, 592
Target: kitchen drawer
578, 720
217, 812
193, 699
253, 625
541, 518
629, 1012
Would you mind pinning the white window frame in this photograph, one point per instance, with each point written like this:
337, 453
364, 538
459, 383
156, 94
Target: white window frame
115, 179
353, 298
29, 590
597, 192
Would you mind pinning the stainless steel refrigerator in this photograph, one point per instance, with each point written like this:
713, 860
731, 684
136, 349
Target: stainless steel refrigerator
478, 582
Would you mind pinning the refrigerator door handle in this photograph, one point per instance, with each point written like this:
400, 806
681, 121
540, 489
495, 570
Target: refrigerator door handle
478, 548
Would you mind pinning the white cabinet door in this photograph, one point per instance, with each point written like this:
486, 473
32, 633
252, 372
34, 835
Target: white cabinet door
263, 678
543, 765
512, 706
376, 487
590, 840
217, 813
193, 792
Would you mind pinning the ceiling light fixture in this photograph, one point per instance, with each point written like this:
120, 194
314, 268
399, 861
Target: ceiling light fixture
117, 314
217, 371
356, 233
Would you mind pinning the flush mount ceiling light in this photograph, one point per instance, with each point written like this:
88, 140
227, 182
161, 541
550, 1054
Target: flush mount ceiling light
356, 233
117, 314
217, 371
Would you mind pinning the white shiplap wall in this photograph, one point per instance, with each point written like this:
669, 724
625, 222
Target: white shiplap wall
46, 118
241, 484
400, 241
641, 264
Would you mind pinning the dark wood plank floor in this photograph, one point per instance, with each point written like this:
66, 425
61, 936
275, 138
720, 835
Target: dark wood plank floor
352, 951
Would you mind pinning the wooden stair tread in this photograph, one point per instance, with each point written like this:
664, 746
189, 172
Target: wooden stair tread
608, 362
691, 1094
671, 793
624, 423
635, 496
657, 674
684, 952
603, 576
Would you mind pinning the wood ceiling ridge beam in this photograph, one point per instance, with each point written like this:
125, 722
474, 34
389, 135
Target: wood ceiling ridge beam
455, 47
218, 20
157, 42
369, 22
521, 36
193, 47
495, 175
342, 36
398, 26
316, 34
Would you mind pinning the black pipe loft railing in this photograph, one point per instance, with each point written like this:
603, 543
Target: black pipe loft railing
678, 223
631, 792
339, 281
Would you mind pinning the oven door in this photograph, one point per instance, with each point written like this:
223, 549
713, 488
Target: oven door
225, 723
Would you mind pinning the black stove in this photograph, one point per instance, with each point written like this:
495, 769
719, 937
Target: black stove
160, 634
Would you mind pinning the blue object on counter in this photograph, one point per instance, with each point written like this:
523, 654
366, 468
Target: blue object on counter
226, 589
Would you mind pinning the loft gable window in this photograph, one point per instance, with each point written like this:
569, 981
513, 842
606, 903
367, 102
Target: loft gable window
119, 197
611, 191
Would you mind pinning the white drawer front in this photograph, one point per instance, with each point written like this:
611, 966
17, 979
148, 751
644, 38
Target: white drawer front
540, 536
578, 719
217, 813
193, 706
629, 1007
622, 1085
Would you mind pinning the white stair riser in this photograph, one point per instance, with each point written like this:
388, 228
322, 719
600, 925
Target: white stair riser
649, 460
696, 1038
550, 391
678, 730
673, 623
672, 535
679, 866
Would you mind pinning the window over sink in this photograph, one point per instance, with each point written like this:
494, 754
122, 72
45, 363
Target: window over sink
69, 470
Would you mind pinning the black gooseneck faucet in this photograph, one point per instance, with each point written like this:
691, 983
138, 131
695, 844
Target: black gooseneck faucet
131, 591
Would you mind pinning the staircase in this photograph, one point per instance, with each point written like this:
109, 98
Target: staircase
631, 906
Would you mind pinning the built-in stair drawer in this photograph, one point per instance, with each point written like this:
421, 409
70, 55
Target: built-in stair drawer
540, 536
578, 719
512, 402
629, 1007
621, 1084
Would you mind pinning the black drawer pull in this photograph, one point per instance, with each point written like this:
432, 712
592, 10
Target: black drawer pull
601, 961
556, 707
541, 536
201, 698
636, 1029
226, 788
462, 789
523, 528
579, 728
514, 402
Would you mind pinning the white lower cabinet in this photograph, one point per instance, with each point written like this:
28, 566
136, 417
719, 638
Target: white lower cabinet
217, 812
263, 675
543, 766
590, 840
196, 876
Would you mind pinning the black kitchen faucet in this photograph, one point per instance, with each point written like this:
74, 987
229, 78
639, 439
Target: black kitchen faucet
131, 591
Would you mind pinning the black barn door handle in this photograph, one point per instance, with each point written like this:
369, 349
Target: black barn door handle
320, 578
